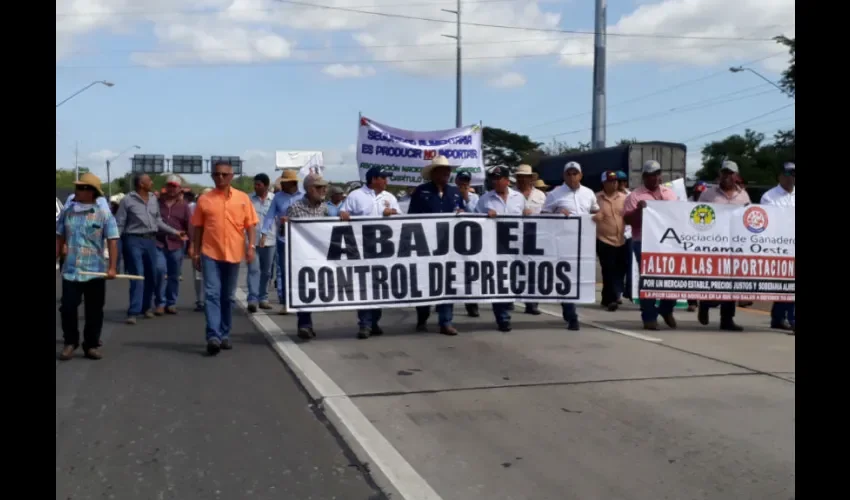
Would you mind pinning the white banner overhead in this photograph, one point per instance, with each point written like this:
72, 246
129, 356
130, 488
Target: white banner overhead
706, 251
407, 261
406, 152
306, 162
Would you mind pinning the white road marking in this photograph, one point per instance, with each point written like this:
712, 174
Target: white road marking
390, 470
600, 326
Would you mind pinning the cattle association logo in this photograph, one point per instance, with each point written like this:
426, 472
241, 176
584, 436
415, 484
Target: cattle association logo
702, 217
755, 219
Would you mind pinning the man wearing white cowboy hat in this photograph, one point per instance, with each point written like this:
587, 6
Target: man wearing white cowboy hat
84, 227
273, 225
436, 197
534, 200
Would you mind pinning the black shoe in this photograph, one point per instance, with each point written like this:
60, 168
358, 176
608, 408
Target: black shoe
213, 347
702, 315
422, 327
376, 330
226, 345
731, 326
363, 333
532, 310
199, 308
252, 308
573, 326
613, 306
472, 311
305, 333
505, 327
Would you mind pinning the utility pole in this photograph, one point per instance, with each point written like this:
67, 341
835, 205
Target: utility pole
76, 157
459, 67
598, 126
108, 180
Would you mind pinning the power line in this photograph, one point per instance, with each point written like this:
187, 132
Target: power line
657, 92
777, 110
759, 124
520, 28
704, 103
287, 63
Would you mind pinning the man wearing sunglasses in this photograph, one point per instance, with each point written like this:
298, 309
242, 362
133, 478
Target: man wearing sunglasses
782, 315
221, 220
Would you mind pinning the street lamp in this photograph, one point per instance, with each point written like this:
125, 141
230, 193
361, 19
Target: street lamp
108, 164
738, 69
92, 84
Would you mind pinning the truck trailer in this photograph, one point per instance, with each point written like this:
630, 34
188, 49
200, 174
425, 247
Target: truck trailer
628, 158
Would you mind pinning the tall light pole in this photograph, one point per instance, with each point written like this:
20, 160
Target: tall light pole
739, 69
598, 125
109, 163
459, 77
92, 84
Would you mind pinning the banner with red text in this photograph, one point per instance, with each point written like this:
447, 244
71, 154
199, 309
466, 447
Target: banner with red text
707, 251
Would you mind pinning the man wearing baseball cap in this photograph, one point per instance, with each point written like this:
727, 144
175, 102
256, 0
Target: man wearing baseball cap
652, 189
783, 314
727, 192
623, 187
436, 197
501, 200
371, 200
335, 197
571, 199
273, 226
170, 249
610, 240
534, 200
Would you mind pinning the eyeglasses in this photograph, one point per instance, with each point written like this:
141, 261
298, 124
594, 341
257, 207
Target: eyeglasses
221, 174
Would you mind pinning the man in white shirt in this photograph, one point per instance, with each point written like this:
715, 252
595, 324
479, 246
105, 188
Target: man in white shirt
371, 200
463, 181
501, 200
783, 314
534, 200
571, 198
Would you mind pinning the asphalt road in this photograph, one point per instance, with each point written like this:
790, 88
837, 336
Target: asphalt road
158, 419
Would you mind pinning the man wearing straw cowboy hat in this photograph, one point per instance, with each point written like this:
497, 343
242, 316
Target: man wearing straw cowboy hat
84, 227
534, 200
273, 225
436, 197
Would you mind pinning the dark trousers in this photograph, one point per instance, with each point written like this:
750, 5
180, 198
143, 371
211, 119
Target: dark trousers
94, 291
727, 308
613, 262
627, 289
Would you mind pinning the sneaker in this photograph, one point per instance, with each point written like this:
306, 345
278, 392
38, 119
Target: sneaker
131, 320
265, 305
149, 314
171, 310
159, 311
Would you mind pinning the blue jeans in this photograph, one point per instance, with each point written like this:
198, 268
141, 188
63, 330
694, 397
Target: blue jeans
259, 273
281, 254
305, 320
502, 312
782, 311
220, 280
367, 318
120, 257
170, 263
648, 312
140, 260
445, 314
568, 312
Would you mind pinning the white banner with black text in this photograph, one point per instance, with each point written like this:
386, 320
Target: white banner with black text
407, 261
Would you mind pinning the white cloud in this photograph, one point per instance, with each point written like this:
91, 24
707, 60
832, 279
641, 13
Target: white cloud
508, 81
102, 155
693, 18
348, 71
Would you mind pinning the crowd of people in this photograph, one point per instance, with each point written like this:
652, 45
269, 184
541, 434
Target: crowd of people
153, 232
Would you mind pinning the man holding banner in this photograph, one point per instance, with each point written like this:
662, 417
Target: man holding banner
436, 197
371, 200
276, 216
633, 215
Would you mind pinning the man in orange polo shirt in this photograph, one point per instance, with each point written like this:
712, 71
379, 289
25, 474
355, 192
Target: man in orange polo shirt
221, 220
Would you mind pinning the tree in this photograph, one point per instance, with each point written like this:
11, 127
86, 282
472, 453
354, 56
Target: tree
758, 161
502, 147
789, 76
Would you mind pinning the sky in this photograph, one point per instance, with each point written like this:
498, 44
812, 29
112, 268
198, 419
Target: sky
249, 77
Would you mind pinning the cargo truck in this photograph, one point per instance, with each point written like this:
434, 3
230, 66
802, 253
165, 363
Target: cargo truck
628, 158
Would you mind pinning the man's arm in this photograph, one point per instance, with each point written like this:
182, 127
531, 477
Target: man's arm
270, 217
251, 221
162, 226
549, 206
121, 215
594, 203
631, 213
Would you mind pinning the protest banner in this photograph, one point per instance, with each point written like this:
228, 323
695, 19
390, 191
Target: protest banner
406, 152
406, 261
707, 251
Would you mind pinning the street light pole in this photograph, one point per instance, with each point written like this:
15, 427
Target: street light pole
92, 84
459, 68
109, 164
738, 69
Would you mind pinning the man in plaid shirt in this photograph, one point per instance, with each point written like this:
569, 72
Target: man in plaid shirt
85, 226
311, 205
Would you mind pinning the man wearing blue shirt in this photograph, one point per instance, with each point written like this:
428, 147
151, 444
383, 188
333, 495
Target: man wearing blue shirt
259, 270
335, 197
273, 224
436, 197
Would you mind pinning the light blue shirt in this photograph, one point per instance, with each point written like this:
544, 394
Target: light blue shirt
280, 203
472, 204
333, 210
262, 206
491, 200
